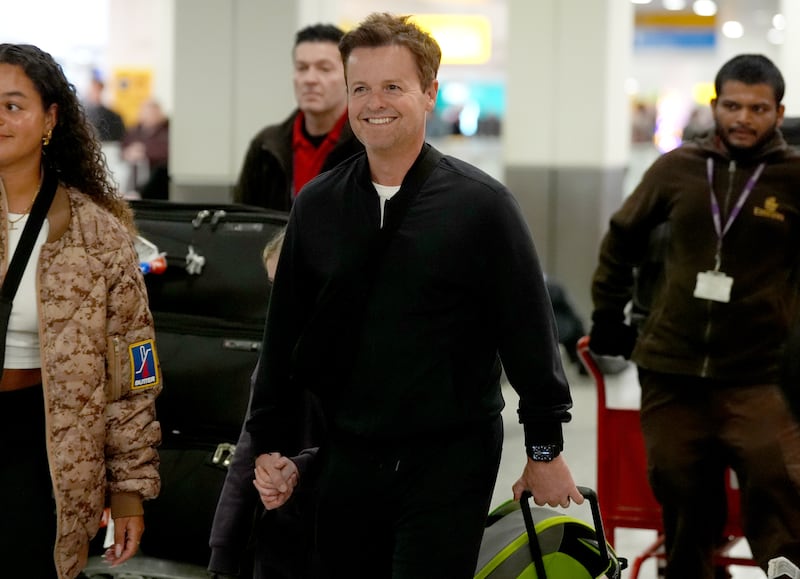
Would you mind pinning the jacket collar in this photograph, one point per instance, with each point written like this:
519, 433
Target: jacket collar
777, 144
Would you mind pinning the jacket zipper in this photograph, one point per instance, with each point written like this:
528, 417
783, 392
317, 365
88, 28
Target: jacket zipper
116, 387
723, 219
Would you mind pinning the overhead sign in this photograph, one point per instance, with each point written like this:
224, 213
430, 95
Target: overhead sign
463, 38
676, 30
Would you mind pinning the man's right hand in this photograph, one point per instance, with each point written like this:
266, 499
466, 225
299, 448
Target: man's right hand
611, 337
275, 479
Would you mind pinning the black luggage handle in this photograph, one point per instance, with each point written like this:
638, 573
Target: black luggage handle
533, 539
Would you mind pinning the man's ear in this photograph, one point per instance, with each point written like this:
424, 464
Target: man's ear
432, 92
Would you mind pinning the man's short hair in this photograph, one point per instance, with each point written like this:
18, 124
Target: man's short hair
384, 29
319, 33
751, 69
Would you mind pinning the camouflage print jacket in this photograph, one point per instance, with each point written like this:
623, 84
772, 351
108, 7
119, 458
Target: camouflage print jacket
100, 373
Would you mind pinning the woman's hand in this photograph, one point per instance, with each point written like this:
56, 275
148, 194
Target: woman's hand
127, 535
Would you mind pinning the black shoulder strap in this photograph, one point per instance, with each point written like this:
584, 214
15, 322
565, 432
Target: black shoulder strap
21, 255
30, 232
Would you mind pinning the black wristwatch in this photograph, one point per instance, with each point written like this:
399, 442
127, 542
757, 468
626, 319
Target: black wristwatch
543, 452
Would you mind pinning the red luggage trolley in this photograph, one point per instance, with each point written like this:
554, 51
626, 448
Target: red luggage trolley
626, 500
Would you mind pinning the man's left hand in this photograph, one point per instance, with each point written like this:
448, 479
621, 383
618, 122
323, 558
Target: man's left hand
550, 483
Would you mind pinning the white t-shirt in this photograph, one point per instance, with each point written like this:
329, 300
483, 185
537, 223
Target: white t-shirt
385, 192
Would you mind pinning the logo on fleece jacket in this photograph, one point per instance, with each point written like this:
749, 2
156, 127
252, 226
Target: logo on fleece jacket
770, 210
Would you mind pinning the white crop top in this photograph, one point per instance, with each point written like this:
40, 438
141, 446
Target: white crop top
22, 339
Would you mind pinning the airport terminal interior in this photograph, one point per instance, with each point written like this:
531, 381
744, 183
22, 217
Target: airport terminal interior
675, 47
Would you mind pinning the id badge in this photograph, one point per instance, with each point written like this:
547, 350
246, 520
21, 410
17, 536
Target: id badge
713, 285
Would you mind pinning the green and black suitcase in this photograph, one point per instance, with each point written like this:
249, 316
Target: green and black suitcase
524, 543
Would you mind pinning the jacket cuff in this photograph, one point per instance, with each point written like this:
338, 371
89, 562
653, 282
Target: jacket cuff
544, 432
304, 461
224, 561
260, 444
608, 316
126, 505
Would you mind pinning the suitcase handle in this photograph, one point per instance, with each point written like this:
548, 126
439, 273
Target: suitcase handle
533, 539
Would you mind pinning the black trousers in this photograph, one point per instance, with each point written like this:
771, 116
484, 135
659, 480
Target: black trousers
414, 511
28, 519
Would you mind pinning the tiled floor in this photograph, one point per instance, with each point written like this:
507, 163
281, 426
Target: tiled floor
581, 443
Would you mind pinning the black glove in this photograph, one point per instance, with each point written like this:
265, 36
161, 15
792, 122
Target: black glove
611, 336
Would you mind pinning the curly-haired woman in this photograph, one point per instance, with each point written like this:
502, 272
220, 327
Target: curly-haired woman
80, 373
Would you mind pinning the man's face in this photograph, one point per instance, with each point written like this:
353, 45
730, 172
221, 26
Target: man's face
319, 78
746, 115
386, 102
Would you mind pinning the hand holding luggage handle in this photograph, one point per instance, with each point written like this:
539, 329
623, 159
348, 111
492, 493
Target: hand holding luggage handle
533, 540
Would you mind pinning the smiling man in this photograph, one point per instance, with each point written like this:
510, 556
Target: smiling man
709, 353
315, 137
405, 277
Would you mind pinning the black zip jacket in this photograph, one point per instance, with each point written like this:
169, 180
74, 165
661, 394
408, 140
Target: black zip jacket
740, 341
458, 288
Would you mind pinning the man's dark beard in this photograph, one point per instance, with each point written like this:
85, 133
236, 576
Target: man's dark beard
745, 152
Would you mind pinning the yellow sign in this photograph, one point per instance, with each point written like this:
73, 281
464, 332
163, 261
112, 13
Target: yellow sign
463, 38
131, 87
674, 20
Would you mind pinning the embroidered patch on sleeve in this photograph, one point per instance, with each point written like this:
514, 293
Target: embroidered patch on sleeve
144, 365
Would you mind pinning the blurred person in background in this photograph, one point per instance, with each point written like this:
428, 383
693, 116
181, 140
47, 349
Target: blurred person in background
106, 122
145, 147
314, 137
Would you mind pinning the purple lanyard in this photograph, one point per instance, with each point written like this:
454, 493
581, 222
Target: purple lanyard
715, 212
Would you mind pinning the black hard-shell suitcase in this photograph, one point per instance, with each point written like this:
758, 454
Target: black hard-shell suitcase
524, 543
179, 520
209, 307
206, 364
214, 257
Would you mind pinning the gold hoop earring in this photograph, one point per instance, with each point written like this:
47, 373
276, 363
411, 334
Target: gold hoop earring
47, 137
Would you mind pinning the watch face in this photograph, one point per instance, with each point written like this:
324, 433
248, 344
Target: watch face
543, 452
